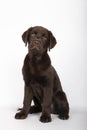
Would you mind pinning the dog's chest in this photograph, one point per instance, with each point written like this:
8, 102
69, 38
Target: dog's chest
40, 80
37, 75
35, 69
34, 72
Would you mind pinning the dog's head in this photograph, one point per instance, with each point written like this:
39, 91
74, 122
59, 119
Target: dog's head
39, 39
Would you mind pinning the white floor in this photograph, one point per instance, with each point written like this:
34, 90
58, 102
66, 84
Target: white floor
77, 121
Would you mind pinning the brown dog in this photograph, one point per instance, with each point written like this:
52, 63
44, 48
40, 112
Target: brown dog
42, 84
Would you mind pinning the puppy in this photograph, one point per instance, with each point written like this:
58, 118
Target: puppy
42, 84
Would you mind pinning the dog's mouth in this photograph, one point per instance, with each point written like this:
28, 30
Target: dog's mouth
34, 51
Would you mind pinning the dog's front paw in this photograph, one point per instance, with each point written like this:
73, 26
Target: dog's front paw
45, 118
20, 115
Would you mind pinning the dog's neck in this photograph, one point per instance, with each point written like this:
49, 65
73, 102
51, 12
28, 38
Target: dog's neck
41, 62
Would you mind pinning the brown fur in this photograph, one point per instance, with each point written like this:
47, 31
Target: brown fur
42, 84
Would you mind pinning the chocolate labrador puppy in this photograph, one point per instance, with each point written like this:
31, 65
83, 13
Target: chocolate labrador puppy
42, 84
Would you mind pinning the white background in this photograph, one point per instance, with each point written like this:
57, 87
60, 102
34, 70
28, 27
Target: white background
67, 21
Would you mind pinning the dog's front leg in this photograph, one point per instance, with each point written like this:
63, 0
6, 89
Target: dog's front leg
28, 95
46, 106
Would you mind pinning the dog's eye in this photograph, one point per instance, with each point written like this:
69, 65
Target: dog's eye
35, 32
43, 35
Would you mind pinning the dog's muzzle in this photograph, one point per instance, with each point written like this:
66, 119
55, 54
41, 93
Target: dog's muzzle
35, 48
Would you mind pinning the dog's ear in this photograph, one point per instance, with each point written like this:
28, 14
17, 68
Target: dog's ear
52, 40
25, 36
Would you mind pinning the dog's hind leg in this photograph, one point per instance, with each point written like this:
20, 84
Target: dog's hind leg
61, 106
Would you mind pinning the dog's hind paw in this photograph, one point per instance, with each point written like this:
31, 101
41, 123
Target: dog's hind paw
64, 117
